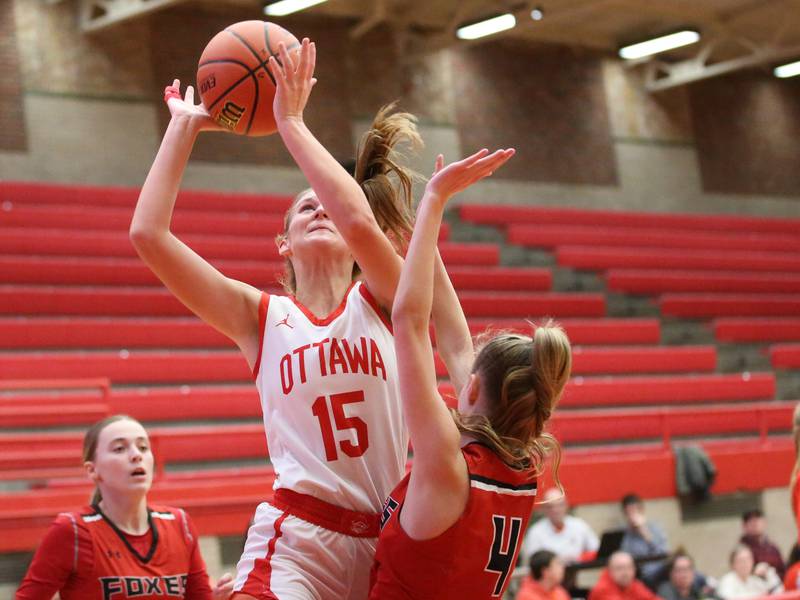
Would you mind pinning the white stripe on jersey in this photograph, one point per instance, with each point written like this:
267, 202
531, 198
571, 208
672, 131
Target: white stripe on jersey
164, 516
91, 518
488, 487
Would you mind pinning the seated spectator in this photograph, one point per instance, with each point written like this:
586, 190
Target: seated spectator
684, 582
643, 538
570, 538
754, 535
745, 580
544, 582
618, 581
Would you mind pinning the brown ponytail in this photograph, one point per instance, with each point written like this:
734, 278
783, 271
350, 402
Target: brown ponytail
522, 379
386, 184
90, 445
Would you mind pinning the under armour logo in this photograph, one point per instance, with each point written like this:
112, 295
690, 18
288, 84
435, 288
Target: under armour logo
285, 322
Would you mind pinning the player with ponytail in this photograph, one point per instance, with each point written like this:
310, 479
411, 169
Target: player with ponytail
453, 527
323, 354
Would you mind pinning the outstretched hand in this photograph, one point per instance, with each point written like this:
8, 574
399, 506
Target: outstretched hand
185, 106
294, 79
458, 176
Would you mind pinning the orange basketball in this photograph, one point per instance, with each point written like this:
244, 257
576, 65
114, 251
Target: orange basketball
233, 79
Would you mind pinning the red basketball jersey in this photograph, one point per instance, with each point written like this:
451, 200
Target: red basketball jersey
84, 556
472, 559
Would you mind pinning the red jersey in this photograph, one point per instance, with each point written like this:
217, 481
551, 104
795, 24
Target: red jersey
475, 556
84, 556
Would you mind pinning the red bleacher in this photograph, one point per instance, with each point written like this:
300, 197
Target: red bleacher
502, 215
729, 305
552, 236
599, 258
76, 302
756, 329
785, 356
641, 281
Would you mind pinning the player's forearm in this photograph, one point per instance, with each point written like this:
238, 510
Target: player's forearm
452, 331
414, 297
342, 197
156, 202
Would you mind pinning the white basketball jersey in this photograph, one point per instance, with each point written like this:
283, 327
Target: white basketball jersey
331, 404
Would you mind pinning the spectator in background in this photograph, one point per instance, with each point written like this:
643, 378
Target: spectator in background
754, 535
618, 581
544, 581
745, 580
570, 538
684, 582
643, 538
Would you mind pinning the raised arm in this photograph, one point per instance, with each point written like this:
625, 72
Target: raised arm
339, 193
228, 305
438, 477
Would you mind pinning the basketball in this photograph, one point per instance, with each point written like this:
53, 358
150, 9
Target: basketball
233, 78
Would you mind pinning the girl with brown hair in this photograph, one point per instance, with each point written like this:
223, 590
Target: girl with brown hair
453, 527
322, 355
119, 545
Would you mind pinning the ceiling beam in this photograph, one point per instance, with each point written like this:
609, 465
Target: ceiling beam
661, 76
100, 14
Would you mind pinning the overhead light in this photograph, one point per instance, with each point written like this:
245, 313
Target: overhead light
487, 27
787, 70
660, 44
287, 7
537, 14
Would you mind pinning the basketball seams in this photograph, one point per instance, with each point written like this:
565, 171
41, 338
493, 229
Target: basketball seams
262, 64
247, 42
245, 66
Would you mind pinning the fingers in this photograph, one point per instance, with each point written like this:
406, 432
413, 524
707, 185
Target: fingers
439, 164
172, 91
189, 96
308, 59
276, 69
289, 67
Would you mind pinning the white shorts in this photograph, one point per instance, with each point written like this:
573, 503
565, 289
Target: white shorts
288, 558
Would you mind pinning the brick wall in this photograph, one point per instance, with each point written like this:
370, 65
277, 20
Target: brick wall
747, 132
12, 107
547, 102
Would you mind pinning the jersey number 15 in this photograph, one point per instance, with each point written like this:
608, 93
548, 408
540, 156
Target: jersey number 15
343, 423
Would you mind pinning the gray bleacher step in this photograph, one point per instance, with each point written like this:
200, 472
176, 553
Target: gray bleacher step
735, 358
679, 332
788, 385
569, 280
623, 305
517, 256
468, 232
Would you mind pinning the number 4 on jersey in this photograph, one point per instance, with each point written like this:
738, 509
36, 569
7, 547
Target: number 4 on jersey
501, 555
343, 423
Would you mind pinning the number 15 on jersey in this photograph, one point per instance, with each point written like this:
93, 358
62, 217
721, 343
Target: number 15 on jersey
335, 403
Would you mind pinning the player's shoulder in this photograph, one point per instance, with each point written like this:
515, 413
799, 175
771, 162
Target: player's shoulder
173, 519
166, 513
485, 465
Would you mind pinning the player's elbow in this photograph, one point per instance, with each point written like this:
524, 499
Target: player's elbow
140, 236
408, 315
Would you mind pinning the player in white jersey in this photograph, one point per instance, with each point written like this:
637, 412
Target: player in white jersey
323, 356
